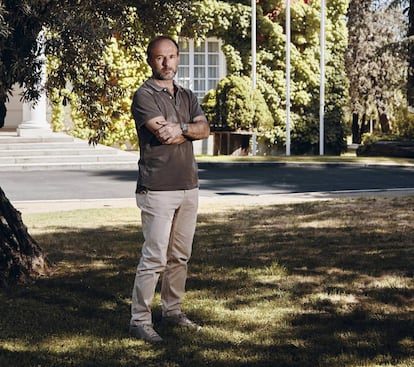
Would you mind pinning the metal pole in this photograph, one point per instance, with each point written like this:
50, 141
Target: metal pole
322, 82
253, 44
287, 77
254, 143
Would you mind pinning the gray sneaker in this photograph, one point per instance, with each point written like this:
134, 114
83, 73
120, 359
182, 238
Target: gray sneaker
145, 332
181, 320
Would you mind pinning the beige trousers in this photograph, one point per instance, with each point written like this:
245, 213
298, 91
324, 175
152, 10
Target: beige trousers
168, 225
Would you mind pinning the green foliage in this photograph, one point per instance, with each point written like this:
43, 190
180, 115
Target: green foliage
161, 16
262, 118
19, 58
209, 105
102, 89
235, 106
78, 34
222, 19
368, 139
375, 61
404, 123
227, 21
58, 111
100, 96
121, 71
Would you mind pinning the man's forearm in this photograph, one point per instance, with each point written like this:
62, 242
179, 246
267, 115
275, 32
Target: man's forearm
172, 133
198, 129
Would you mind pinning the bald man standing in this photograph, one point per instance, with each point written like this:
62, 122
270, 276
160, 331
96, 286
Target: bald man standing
168, 118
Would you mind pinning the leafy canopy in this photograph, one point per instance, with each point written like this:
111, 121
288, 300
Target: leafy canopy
77, 34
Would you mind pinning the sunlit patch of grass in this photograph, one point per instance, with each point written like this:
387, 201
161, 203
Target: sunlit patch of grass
392, 281
318, 223
377, 361
340, 302
15, 346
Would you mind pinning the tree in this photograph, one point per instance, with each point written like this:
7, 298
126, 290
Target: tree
77, 33
21, 257
408, 7
375, 69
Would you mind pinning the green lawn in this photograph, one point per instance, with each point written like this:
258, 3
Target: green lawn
345, 158
319, 284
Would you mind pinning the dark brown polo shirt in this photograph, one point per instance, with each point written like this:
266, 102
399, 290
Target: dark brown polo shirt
165, 167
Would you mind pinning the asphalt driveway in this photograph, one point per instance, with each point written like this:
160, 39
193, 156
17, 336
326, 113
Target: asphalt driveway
215, 180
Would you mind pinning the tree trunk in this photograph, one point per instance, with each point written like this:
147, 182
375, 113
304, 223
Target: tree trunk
21, 258
356, 137
364, 125
410, 81
384, 123
3, 112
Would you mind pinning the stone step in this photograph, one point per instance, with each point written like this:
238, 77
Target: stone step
41, 144
60, 151
58, 138
69, 158
45, 145
69, 166
72, 151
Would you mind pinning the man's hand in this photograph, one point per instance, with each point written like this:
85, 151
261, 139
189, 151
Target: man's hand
169, 133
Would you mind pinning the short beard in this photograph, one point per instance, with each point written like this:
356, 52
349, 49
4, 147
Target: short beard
159, 76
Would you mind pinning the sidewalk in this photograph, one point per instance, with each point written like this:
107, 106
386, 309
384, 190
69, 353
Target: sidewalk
207, 202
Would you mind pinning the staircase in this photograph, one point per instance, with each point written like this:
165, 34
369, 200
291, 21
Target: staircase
59, 151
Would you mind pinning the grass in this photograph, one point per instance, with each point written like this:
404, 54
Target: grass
348, 157
320, 284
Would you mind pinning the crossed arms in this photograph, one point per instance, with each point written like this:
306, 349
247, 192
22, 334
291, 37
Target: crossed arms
170, 133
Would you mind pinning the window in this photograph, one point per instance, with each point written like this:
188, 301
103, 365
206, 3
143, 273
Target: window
202, 65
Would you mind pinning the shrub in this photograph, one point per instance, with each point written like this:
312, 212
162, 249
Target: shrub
404, 123
236, 106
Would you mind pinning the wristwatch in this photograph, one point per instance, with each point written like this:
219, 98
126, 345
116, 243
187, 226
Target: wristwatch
184, 127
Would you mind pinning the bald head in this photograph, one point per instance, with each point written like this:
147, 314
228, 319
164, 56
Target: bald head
157, 40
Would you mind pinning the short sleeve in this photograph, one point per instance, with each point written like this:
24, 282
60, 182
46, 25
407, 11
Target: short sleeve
144, 107
195, 108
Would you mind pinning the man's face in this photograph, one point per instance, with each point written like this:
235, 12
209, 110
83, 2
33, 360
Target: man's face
164, 60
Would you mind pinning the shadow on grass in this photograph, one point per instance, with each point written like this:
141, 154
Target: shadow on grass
300, 285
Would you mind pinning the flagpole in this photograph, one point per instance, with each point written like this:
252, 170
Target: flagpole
253, 44
288, 77
254, 62
322, 81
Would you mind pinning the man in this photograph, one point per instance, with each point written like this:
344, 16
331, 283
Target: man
168, 118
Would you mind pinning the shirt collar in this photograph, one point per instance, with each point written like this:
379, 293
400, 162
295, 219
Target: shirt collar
158, 88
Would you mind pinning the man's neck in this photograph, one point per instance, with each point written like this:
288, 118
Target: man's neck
169, 84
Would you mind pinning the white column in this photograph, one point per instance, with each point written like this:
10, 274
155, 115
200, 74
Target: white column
34, 119
34, 113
